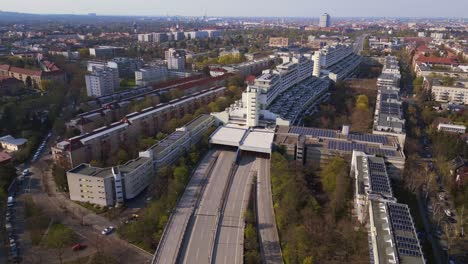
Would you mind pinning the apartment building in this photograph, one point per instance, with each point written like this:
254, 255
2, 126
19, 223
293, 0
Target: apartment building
148, 75
319, 146
391, 230
450, 128
388, 115
175, 59
105, 51
116, 106
101, 82
32, 78
325, 20
112, 185
100, 143
456, 92
127, 66
336, 61
255, 107
11, 144
279, 42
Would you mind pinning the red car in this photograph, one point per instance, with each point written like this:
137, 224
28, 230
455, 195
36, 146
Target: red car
79, 247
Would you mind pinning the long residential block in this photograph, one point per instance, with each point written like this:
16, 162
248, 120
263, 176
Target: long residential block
111, 185
105, 141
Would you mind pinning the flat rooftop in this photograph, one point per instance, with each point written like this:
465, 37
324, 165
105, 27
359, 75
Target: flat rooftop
230, 135
88, 170
247, 139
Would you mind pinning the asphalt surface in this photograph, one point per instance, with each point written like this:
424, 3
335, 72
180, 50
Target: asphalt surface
171, 241
269, 240
359, 44
229, 242
199, 245
58, 207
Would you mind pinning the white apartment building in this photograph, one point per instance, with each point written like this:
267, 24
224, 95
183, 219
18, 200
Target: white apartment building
175, 60
259, 103
337, 61
333, 54
12, 144
108, 186
371, 181
112, 185
460, 129
148, 75
325, 20
102, 82
456, 93
392, 235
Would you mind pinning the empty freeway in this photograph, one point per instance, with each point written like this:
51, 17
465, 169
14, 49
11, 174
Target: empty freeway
201, 234
229, 242
208, 223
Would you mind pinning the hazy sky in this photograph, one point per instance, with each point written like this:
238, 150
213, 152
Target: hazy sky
303, 8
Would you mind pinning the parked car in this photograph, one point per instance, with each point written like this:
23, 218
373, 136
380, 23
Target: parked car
25, 172
447, 212
108, 230
79, 246
441, 196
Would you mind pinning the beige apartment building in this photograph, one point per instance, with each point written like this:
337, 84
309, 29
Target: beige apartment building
112, 185
279, 42
455, 93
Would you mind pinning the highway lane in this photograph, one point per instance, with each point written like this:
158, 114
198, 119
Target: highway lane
359, 44
171, 241
199, 246
229, 245
269, 240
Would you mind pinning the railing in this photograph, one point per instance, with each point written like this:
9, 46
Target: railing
191, 219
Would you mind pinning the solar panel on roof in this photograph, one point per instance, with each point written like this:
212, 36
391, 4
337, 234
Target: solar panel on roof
369, 138
315, 132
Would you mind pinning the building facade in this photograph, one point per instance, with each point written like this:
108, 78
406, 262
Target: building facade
103, 142
325, 20
112, 185
102, 82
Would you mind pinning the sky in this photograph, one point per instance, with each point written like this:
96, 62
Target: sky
276, 8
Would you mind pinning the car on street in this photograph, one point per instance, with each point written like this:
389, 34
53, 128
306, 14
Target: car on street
78, 247
108, 230
447, 212
25, 172
441, 196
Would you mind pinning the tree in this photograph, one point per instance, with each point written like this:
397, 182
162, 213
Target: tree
362, 102
330, 173
123, 156
58, 238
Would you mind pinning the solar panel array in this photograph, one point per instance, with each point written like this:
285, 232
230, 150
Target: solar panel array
386, 96
346, 146
382, 152
369, 138
314, 132
401, 220
390, 108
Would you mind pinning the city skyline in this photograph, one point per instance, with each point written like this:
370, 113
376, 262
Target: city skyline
263, 8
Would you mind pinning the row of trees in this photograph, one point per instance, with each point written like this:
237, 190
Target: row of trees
251, 246
312, 215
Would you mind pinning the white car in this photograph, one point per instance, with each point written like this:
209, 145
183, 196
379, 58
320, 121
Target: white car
108, 230
447, 212
25, 172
